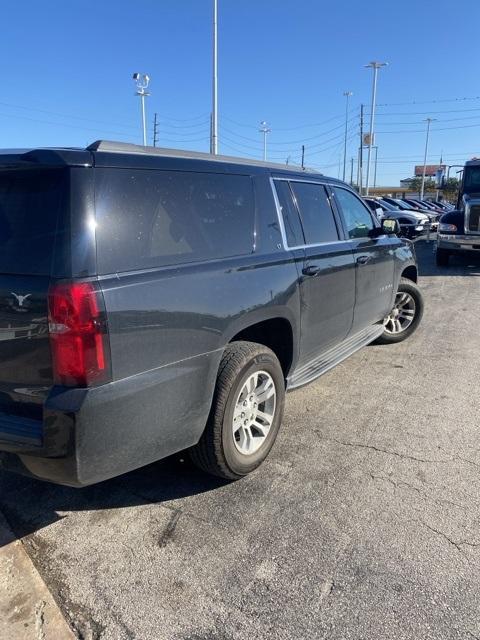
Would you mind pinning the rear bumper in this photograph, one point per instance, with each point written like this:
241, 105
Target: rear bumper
90, 435
458, 242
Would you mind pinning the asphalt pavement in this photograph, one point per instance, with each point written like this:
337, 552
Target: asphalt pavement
363, 523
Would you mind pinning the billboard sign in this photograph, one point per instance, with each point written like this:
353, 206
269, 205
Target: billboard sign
430, 170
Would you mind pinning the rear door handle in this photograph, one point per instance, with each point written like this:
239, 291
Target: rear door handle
311, 270
363, 259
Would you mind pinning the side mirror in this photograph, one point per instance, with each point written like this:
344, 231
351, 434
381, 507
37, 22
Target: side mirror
390, 226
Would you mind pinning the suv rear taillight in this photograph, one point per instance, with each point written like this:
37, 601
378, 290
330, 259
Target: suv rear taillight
78, 334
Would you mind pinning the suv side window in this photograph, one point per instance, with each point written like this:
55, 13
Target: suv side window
150, 218
291, 220
357, 217
315, 212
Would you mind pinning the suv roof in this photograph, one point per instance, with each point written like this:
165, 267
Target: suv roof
104, 153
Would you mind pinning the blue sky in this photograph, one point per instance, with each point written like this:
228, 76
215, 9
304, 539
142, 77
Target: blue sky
67, 69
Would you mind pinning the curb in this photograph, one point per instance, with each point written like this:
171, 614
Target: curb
27, 608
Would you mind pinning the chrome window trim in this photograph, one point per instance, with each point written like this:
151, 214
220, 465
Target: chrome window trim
280, 215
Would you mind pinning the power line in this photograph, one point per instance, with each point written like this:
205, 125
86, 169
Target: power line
424, 113
398, 104
287, 142
442, 120
465, 126
109, 122
296, 128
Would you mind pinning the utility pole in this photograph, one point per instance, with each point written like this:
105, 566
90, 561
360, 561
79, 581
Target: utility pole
351, 172
422, 190
142, 81
375, 66
214, 125
155, 130
347, 95
375, 172
264, 129
303, 156
360, 153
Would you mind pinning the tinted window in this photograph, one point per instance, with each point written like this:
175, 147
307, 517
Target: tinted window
315, 212
357, 217
291, 221
472, 179
30, 202
149, 218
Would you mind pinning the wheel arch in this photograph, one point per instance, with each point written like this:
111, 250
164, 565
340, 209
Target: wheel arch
277, 334
410, 273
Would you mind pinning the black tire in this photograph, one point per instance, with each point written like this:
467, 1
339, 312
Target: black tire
216, 452
409, 287
441, 257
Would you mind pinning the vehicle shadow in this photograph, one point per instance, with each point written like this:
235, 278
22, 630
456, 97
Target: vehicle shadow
30, 505
467, 264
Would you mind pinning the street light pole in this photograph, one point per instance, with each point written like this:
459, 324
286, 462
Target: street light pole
422, 190
347, 95
375, 66
214, 125
142, 81
264, 129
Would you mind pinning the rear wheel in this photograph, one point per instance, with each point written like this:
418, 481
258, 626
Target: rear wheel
405, 316
246, 412
441, 257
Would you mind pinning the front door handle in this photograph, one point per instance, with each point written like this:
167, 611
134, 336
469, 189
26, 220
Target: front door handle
311, 270
363, 259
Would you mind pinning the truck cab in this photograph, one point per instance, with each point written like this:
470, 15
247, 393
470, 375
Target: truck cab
459, 230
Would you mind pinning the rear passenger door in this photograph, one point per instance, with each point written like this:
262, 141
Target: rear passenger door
374, 258
327, 282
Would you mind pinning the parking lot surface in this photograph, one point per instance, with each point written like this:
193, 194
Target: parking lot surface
363, 523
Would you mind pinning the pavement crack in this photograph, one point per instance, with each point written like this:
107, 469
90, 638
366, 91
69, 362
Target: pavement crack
444, 535
169, 531
372, 447
458, 545
400, 484
466, 460
40, 620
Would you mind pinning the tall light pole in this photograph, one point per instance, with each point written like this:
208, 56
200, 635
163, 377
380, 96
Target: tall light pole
422, 190
375, 66
141, 81
347, 95
264, 129
214, 124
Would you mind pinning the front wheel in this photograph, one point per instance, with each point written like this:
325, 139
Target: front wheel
246, 412
405, 316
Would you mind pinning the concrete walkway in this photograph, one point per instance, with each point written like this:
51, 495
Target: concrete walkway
27, 609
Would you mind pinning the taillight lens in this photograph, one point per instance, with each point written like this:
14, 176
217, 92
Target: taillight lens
78, 334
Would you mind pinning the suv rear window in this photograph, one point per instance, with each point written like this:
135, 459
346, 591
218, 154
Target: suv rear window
30, 201
149, 218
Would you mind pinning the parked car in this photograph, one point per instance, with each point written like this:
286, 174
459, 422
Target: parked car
412, 224
406, 206
422, 205
179, 295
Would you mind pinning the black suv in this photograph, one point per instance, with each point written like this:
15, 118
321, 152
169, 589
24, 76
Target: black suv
153, 301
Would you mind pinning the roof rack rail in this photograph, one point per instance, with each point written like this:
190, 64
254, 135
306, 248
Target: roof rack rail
109, 146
